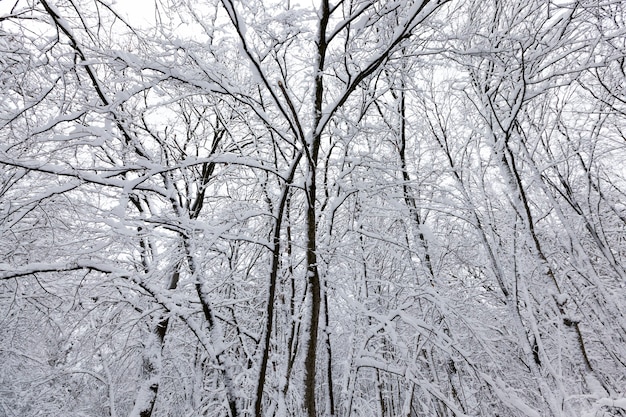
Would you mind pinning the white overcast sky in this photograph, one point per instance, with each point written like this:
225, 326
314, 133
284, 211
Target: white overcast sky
137, 11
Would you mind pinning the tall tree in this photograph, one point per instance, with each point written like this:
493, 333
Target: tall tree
349, 208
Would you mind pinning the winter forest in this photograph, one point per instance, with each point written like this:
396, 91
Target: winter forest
351, 208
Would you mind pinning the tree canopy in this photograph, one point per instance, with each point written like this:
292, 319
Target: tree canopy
313, 208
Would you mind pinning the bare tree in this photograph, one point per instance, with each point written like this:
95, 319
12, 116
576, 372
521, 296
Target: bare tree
351, 208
